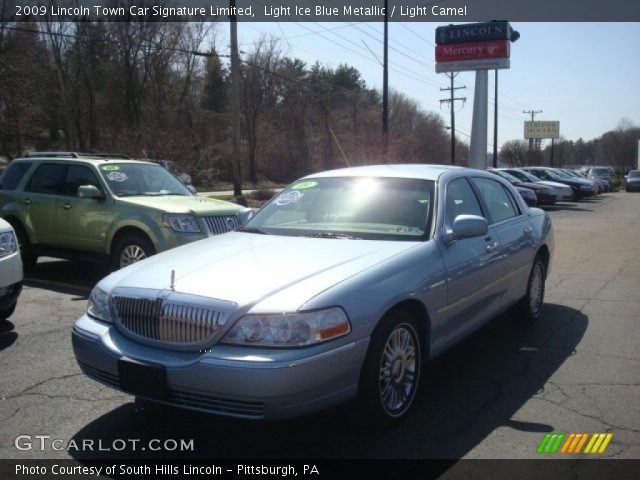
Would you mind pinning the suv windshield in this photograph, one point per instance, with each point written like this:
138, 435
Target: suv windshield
349, 207
600, 171
127, 179
634, 174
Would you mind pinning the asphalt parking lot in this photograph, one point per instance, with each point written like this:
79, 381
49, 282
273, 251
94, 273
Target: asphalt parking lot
494, 395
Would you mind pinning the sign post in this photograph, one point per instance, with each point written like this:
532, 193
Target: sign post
478, 47
478, 147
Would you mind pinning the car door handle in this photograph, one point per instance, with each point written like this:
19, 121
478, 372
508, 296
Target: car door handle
27, 201
527, 230
491, 246
66, 206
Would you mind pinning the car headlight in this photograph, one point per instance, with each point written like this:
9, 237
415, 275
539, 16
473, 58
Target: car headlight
181, 223
289, 330
8, 243
98, 306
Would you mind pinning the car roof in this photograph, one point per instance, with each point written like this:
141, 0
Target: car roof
414, 170
93, 160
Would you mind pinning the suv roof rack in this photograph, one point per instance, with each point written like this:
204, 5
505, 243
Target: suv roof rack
102, 155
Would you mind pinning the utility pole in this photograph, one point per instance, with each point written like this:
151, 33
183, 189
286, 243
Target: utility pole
385, 81
451, 101
495, 122
235, 101
533, 114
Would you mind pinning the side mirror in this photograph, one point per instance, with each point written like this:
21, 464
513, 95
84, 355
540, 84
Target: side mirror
192, 189
89, 191
467, 226
245, 215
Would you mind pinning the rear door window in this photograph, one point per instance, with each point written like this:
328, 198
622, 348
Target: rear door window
48, 179
12, 176
496, 198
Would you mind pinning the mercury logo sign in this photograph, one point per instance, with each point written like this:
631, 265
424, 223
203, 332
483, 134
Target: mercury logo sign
472, 51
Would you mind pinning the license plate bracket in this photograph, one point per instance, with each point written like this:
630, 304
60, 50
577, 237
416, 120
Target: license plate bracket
147, 380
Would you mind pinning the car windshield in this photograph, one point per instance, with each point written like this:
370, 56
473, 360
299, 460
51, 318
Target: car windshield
558, 174
507, 176
634, 174
524, 176
128, 179
600, 171
349, 207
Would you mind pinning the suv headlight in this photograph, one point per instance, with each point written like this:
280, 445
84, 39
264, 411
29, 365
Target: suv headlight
98, 306
8, 243
289, 330
181, 223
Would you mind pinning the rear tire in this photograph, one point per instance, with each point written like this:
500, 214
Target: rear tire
391, 372
530, 308
129, 249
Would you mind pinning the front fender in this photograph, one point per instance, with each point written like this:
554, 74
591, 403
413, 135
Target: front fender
149, 223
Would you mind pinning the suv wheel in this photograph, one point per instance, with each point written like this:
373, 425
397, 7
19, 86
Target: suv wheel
131, 249
391, 371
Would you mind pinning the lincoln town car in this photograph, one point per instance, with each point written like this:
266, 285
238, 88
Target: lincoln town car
338, 290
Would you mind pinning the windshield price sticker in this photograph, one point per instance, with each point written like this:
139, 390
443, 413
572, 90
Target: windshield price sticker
117, 176
288, 197
304, 185
110, 168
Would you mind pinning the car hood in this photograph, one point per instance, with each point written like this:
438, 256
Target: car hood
280, 273
184, 204
553, 184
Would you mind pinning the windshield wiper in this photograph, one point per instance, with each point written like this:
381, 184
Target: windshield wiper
251, 230
331, 235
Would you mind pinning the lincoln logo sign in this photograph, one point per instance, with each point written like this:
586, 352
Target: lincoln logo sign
472, 51
473, 32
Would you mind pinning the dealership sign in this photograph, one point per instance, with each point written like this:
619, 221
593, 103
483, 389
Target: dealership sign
472, 50
473, 32
540, 129
466, 65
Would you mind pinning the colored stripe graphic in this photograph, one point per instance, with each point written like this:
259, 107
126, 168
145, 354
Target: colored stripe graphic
550, 443
574, 442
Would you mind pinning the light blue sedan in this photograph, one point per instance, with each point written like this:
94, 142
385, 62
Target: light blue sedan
338, 289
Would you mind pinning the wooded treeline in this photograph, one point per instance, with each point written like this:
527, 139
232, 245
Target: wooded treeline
147, 90
617, 148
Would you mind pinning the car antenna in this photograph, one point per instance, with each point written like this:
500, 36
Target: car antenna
344, 157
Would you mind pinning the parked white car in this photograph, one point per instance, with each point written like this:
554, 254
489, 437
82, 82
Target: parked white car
10, 270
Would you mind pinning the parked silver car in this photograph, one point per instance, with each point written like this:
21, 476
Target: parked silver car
337, 289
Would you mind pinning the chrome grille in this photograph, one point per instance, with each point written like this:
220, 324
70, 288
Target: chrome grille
222, 224
162, 320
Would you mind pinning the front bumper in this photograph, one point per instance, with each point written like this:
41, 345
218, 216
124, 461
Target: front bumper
233, 381
632, 187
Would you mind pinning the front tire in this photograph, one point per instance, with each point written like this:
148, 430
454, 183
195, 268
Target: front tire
6, 313
29, 259
532, 304
130, 249
391, 372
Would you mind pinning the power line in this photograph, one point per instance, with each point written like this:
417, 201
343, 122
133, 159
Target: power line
451, 101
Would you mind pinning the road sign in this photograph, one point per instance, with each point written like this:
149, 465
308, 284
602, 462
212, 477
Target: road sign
466, 65
473, 32
473, 50
541, 129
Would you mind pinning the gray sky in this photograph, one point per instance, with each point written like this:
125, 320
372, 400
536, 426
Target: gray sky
586, 75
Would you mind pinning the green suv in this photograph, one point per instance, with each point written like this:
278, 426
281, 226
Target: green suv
104, 207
